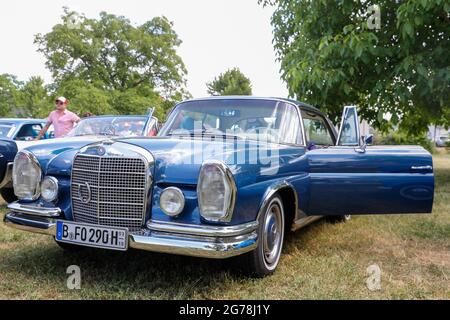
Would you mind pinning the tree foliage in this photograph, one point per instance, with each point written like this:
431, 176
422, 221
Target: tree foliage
330, 57
109, 65
34, 98
8, 94
232, 82
29, 99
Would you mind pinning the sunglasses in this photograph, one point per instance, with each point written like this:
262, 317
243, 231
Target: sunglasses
59, 103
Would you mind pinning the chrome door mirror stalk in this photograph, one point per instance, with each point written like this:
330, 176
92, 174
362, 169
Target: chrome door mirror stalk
365, 141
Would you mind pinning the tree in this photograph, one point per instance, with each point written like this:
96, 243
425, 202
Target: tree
9, 95
331, 57
19, 99
232, 82
112, 55
85, 97
34, 98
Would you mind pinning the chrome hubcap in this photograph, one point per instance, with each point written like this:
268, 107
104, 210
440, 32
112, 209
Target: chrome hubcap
272, 235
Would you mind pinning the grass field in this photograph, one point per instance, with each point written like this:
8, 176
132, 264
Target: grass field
322, 261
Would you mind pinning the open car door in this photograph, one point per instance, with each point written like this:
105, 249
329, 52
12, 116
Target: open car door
354, 177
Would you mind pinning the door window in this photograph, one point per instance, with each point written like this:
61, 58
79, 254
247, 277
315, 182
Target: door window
349, 131
317, 131
28, 132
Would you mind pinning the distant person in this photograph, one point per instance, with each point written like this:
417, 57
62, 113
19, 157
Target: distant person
88, 114
62, 119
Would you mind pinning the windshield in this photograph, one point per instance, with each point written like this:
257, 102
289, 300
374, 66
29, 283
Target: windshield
111, 126
254, 119
6, 130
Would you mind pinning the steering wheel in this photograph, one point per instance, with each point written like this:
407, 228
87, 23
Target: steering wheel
271, 134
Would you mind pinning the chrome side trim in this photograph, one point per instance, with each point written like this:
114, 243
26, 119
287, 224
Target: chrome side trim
165, 242
428, 168
203, 230
7, 178
303, 222
35, 210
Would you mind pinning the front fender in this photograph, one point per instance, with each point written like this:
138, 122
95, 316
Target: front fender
253, 199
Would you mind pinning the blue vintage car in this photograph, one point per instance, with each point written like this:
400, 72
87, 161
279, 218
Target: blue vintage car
227, 177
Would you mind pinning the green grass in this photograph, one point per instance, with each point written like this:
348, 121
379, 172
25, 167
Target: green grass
322, 261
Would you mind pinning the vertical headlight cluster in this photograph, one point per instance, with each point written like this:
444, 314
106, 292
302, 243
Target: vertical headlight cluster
27, 176
216, 191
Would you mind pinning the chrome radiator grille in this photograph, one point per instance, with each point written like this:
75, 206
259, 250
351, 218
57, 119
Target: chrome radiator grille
109, 191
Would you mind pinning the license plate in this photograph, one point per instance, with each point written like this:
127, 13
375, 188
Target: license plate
92, 235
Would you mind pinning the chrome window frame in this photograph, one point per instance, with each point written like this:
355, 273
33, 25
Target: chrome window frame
326, 121
358, 133
287, 102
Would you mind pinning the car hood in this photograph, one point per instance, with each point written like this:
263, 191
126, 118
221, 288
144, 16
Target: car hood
49, 150
57, 141
178, 161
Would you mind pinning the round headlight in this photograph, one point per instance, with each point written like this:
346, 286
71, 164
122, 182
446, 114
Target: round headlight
27, 176
49, 189
171, 201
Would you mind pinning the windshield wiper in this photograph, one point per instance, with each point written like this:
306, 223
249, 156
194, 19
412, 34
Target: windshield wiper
203, 132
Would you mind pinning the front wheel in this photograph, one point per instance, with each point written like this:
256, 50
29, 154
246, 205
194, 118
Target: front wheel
264, 259
8, 195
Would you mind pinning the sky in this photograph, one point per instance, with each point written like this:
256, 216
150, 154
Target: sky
217, 35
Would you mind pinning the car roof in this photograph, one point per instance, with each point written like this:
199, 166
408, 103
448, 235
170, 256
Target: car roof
117, 116
291, 101
22, 120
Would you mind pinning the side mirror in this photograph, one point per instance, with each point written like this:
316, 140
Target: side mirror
368, 139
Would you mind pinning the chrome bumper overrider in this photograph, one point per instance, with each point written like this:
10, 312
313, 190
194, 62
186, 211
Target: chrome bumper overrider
175, 238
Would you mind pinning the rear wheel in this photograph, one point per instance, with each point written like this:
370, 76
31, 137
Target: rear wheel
8, 195
264, 259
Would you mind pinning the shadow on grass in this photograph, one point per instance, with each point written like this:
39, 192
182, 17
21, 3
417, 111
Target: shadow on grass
139, 273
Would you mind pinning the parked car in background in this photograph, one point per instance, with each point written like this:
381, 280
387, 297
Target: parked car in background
8, 150
226, 177
87, 131
22, 129
442, 141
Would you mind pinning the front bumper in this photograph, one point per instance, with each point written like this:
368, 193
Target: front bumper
208, 242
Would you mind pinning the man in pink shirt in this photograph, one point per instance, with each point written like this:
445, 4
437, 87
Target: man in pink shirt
62, 119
